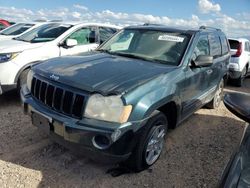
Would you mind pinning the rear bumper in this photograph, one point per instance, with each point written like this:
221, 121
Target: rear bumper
234, 74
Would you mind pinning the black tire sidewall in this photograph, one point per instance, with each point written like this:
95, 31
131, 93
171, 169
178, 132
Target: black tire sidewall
138, 160
22, 78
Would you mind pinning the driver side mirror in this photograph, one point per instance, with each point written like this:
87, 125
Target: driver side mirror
203, 61
71, 42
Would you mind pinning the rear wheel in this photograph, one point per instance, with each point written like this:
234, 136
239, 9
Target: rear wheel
215, 103
151, 143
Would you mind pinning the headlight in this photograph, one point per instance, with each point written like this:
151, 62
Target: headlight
109, 108
7, 57
29, 79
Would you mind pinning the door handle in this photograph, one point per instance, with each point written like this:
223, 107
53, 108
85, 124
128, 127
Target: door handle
210, 71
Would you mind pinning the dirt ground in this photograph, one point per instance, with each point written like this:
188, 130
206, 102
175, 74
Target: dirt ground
196, 153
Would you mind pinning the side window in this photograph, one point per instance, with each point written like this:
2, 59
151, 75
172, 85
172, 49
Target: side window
105, 33
215, 46
202, 47
224, 45
1, 26
84, 36
247, 47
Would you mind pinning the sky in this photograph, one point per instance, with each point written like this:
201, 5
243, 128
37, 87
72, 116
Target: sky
232, 16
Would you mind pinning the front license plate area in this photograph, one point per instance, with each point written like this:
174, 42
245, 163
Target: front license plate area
41, 122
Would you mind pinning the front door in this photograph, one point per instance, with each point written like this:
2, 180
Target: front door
195, 86
86, 41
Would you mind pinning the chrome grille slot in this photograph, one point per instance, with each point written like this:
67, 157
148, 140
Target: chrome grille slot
57, 98
67, 102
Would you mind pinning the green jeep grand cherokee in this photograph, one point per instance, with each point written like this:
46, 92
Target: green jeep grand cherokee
117, 103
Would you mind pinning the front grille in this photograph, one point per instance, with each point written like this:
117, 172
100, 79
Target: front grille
57, 98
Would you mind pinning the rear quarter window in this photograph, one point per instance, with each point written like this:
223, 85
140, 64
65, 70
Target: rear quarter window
233, 44
247, 47
215, 45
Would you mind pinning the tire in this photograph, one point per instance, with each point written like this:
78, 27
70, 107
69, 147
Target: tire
239, 81
149, 143
22, 79
218, 96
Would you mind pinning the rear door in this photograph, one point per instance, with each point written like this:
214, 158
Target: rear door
86, 38
214, 73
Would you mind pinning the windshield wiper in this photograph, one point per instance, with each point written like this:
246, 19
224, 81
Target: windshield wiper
141, 58
134, 56
106, 51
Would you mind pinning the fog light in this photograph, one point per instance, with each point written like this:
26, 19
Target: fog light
101, 142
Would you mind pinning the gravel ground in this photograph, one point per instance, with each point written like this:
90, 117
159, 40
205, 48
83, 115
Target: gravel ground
195, 156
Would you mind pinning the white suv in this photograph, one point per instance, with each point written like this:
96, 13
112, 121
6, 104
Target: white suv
240, 60
45, 42
18, 29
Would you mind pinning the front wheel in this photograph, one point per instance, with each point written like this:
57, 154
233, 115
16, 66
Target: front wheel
151, 143
218, 96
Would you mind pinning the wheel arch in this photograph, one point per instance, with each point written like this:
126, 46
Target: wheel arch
171, 109
27, 66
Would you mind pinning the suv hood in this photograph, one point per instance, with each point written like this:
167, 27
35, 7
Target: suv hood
100, 72
5, 37
8, 46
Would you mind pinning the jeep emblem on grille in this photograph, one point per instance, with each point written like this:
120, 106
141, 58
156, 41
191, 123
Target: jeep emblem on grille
54, 77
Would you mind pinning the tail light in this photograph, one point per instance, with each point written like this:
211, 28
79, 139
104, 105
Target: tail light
239, 50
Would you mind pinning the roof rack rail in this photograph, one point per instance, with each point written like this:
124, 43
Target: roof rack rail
207, 27
40, 20
147, 24
55, 20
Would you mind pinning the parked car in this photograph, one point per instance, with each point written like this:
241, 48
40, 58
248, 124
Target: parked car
237, 172
4, 24
47, 41
18, 29
240, 60
116, 103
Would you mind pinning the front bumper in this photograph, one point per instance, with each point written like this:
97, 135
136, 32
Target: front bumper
5, 88
84, 135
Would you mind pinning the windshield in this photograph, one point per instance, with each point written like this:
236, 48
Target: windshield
153, 45
16, 29
44, 33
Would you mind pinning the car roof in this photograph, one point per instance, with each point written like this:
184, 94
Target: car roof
89, 24
191, 31
160, 28
71, 23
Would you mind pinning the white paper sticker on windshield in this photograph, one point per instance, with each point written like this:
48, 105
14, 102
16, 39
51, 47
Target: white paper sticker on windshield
170, 38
